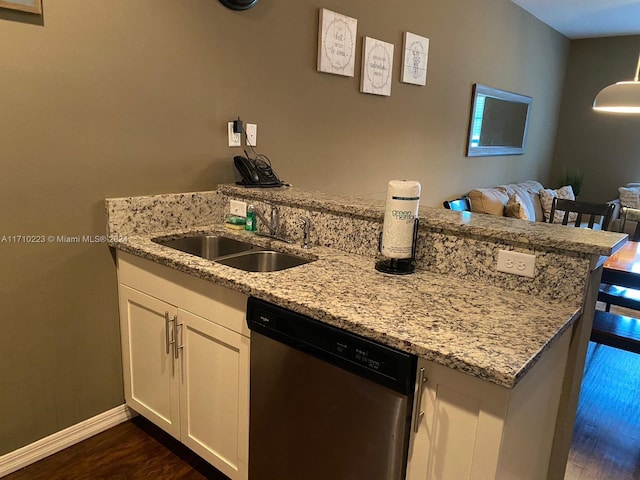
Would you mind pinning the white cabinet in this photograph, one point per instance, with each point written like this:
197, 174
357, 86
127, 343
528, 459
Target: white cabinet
473, 429
150, 372
214, 395
186, 359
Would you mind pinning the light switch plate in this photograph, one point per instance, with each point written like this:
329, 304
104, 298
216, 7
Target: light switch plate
238, 208
252, 134
516, 263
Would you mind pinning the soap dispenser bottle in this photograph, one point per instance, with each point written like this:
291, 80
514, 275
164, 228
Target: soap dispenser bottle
250, 224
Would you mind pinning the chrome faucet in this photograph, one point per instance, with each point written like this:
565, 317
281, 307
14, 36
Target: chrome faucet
306, 232
274, 225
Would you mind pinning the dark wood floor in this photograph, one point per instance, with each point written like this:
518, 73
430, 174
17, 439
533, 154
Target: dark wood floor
606, 437
130, 451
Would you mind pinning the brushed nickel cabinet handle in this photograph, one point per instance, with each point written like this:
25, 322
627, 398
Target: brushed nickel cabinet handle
175, 337
417, 413
167, 342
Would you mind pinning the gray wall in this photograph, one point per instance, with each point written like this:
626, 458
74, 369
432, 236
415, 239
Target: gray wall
605, 147
124, 97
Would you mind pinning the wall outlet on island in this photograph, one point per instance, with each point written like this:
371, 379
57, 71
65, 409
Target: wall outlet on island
516, 263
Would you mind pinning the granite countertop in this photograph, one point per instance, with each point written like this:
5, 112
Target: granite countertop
540, 234
476, 328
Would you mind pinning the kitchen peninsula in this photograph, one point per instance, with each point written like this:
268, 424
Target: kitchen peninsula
497, 348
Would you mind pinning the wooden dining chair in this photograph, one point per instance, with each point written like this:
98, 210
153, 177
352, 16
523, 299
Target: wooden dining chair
628, 214
602, 211
616, 331
462, 204
623, 295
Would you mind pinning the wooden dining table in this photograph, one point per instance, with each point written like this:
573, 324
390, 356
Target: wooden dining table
623, 267
622, 272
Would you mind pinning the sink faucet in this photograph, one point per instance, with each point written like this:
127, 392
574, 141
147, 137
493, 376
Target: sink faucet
306, 232
274, 224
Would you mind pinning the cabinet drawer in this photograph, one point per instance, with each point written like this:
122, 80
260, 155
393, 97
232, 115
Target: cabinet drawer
206, 299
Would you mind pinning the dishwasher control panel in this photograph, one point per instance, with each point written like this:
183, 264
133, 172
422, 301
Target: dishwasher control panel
386, 365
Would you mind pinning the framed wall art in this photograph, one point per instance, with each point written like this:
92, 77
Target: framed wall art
336, 43
377, 63
414, 59
31, 6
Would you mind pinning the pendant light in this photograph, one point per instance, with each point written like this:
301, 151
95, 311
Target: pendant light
621, 97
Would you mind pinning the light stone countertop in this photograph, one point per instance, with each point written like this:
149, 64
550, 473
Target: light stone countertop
476, 328
537, 234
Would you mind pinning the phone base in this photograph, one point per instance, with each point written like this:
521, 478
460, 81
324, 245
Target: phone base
251, 185
396, 266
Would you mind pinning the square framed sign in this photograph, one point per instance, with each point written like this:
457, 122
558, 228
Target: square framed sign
336, 43
377, 63
414, 59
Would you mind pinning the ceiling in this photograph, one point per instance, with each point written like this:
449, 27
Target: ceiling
587, 18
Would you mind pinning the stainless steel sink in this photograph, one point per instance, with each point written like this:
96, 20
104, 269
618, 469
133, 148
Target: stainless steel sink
207, 246
234, 253
263, 261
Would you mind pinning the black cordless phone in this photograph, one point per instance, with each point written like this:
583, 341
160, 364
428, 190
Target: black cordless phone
256, 172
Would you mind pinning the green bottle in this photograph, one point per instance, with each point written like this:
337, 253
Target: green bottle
250, 224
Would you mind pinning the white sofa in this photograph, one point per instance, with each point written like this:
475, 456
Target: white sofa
527, 201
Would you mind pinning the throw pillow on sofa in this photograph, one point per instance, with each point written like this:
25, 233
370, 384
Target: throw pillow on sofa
516, 208
488, 200
546, 199
629, 196
529, 198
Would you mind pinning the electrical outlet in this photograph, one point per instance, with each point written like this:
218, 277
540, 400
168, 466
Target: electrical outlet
235, 140
238, 208
516, 263
252, 134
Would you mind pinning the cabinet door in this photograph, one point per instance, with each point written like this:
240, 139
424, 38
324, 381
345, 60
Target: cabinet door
150, 376
214, 393
460, 435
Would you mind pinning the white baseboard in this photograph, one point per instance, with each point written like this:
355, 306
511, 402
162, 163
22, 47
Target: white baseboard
55, 442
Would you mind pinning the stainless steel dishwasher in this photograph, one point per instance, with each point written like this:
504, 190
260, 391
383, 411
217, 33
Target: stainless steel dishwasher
325, 404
